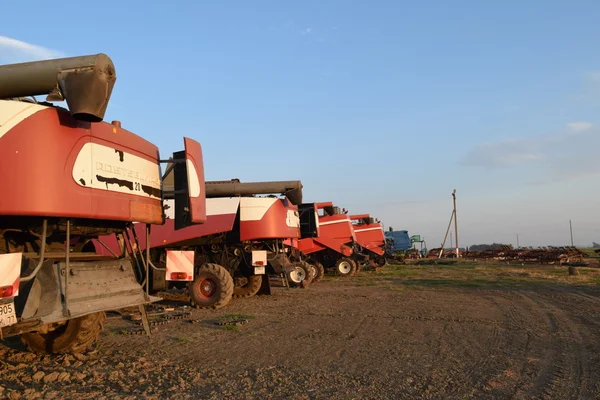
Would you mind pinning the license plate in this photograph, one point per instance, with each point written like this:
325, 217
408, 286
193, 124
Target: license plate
259, 270
7, 314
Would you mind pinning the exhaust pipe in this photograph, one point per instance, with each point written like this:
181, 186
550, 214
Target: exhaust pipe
291, 189
85, 82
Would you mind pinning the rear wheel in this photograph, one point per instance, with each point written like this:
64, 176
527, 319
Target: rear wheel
298, 275
73, 336
381, 261
212, 287
345, 267
247, 286
320, 270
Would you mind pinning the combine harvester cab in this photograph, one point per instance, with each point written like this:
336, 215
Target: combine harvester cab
68, 178
328, 239
370, 239
230, 254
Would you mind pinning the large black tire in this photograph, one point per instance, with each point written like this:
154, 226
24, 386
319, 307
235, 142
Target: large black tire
381, 261
247, 287
298, 275
312, 271
345, 267
358, 267
74, 336
319, 268
212, 287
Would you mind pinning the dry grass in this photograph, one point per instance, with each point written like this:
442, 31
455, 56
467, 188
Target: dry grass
476, 275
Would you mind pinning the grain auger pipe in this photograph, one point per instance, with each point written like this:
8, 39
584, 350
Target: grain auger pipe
291, 189
84, 82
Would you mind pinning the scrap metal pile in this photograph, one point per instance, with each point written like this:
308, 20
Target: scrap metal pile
542, 255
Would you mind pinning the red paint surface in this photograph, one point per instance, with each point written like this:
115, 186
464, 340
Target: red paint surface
372, 240
193, 152
272, 225
337, 230
166, 235
337, 236
15, 286
36, 164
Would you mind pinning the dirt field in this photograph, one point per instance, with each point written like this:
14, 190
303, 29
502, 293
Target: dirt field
432, 332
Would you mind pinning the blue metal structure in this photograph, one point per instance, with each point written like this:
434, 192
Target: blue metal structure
398, 241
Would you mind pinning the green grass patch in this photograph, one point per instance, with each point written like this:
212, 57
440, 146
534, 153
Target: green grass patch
474, 275
229, 328
180, 339
112, 332
232, 317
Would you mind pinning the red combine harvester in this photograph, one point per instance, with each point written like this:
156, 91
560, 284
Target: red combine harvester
68, 178
328, 239
369, 238
241, 241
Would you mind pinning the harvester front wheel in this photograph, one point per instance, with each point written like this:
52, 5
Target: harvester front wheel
298, 275
247, 286
357, 267
312, 270
212, 287
381, 261
345, 267
319, 269
74, 336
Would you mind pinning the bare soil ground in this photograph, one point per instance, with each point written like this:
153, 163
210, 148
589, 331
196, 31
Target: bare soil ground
410, 332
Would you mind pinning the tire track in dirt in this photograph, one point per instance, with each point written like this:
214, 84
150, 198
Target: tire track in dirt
460, 382
480, 372
584, 327
565, 370
517, 322
439, 346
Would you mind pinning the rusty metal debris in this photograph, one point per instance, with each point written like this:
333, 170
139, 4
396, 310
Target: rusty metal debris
157, 315
234, 322
539, 255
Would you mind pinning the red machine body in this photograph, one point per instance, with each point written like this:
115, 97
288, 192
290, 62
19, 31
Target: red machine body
324, 229
105, 172
258, 218
70, 177
369, 234
243, 234
268, 218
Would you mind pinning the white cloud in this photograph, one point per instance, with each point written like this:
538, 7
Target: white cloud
306, 31
14, 50
577, 127
509, 152
565, 155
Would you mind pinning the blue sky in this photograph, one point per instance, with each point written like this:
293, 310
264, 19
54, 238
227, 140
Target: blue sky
381, 106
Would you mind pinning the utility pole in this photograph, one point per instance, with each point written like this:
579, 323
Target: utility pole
455, 222
453, 216
571, 229
446, 236
518, 241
